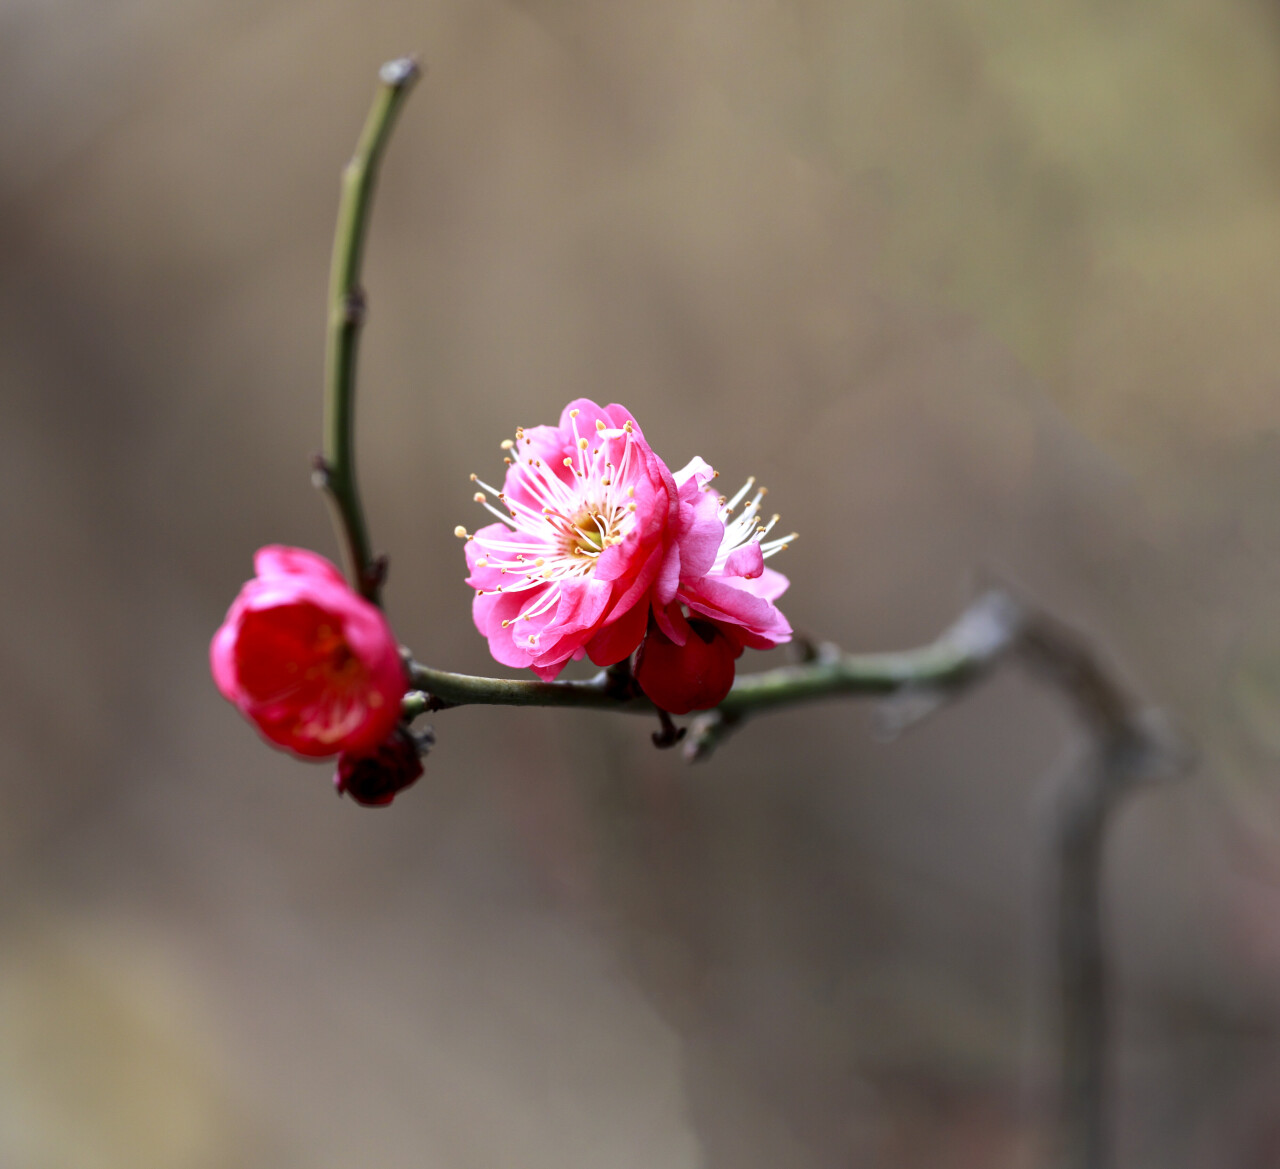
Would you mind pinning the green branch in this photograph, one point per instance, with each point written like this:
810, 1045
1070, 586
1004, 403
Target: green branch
336, 467
986, 631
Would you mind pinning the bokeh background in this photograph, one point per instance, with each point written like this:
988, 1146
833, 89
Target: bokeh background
980, 291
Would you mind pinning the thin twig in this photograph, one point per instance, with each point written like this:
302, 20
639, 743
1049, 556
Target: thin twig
336, 467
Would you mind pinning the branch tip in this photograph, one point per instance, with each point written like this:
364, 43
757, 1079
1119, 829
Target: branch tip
399, 73
321, 473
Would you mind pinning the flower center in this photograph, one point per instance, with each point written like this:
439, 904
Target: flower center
591, 530
333, 660
558, 521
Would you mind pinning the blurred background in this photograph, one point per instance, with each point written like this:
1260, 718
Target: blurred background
981, 292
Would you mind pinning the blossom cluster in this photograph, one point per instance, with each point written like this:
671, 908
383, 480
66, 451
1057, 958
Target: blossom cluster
600, 551
317, 670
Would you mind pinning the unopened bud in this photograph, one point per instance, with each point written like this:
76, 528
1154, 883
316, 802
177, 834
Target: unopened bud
375, 779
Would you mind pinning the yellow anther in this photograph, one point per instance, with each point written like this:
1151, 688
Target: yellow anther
574, 413
631, 507
507, 444
631, 491
539, 562
568, 462
478, 497
460, 532
605, 482
474, 476
599, 424
505, 624
582, 444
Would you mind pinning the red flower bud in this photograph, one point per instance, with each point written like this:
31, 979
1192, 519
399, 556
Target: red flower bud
693, 676
375, 779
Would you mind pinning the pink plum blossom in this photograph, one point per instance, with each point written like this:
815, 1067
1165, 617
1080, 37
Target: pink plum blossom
586, 535
735, 589
724, 601
598, 548
311, 664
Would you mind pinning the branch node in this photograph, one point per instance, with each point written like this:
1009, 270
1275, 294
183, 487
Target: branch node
670, 734
804, 649
355, 307
618, 680
708, 731
321, 473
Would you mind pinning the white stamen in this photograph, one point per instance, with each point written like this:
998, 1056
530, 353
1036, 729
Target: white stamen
559, 525
745, 528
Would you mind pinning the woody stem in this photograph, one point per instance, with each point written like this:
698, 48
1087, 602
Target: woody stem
336, 467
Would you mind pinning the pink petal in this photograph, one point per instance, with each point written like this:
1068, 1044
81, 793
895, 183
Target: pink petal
747, 561
281, 560
619, 638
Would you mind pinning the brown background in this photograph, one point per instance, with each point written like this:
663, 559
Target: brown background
981, 291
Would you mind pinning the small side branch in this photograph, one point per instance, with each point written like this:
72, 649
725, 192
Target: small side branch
335, 470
